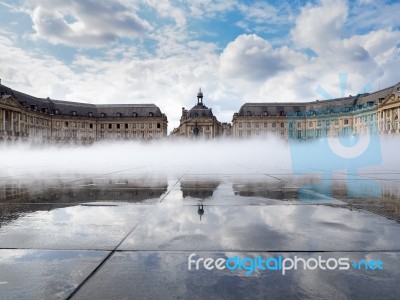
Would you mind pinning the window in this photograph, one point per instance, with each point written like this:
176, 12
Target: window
151, 114
240, 125
91, 125
134, 114
73, 113
150, 125
133, 125
336, 122
298, 125
119, 115
126, 126
101, 126
109, 126
118, 126
257, 125
282, 125
103, 115
90, 114
66, 124
346, 122
309, 124
265, 113
265, 125
142, 125
158, 125
248, 125
273, 124
249, 113
282, 113
319, 122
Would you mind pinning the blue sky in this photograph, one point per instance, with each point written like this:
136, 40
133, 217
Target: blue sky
123, 51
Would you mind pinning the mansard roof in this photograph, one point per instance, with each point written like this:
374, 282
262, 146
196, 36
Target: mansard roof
82, 109
200, 111
289, 108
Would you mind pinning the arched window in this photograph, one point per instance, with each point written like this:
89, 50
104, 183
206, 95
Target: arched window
134, 114
151, 114
103, 115
119, 115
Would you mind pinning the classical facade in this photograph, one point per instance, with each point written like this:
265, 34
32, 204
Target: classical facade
200, 123
24, 117
373, 113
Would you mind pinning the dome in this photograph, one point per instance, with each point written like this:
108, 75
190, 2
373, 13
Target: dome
200, 94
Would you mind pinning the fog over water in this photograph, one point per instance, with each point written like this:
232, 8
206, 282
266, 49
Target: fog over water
211, 157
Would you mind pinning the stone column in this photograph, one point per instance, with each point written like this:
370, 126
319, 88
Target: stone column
19, 123
12, 121
4, 119
398, 119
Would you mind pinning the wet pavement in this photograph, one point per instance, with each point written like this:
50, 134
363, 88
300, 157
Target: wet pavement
128, 234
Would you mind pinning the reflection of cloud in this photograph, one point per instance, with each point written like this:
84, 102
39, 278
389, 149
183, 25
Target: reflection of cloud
263, 228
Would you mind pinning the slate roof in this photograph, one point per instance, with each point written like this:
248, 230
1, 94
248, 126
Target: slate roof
82, 109
292, 108
200, 111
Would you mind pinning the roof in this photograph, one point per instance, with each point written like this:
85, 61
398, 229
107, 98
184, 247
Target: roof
200, 111
82, 109
336, 105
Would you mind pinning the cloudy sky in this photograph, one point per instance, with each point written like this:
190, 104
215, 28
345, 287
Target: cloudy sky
162, 51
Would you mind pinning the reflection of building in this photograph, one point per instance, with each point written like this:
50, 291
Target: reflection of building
12, 194
25, 117
198, 189
200, 122
375, 112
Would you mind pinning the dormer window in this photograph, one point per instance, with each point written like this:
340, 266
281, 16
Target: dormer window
90, 114
34, 107
44, 110
281, 113
73, 113
134, 114
56, 111
119, 115
151, 114
103, 115
203, 114
265, 113
249, 113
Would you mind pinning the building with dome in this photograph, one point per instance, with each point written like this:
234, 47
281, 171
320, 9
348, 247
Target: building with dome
200, 123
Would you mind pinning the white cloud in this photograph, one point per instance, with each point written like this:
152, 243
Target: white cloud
253, 58
85, 23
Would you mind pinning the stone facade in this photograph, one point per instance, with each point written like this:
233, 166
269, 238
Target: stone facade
23, 117
373, 113
200, 123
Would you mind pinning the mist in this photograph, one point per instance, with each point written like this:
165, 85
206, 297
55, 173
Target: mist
271, 155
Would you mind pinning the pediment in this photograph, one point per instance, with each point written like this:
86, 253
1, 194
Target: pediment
393, 98
10, 101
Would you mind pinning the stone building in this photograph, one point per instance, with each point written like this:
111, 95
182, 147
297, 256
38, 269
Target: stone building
373, 113
200, 123
24, 117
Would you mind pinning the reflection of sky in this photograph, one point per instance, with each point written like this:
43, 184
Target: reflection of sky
263, 228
